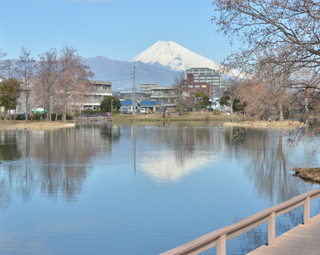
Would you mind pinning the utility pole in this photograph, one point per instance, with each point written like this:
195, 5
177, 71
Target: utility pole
111, 108
9, 67
219, 86
134, 91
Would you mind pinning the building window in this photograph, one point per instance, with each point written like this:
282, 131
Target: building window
204, 86
190, 86
197, 86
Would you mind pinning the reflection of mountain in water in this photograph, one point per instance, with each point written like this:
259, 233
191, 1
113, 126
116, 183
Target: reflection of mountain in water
165, 167
173, 152
52, 162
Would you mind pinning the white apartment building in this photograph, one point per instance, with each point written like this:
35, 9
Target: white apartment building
218, 85
168, 95
101, 90
146, 87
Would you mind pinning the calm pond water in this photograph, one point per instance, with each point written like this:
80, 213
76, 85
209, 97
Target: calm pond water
143, 188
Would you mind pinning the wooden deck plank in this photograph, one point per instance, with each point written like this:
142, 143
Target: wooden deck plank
299, 240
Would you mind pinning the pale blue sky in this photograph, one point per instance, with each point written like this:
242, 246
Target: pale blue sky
116, 29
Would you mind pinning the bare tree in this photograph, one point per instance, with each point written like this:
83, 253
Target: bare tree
3, 63
73, 77
183, 101
291, 24
46, 79
25, 70
178, 80
280, 55
269, 87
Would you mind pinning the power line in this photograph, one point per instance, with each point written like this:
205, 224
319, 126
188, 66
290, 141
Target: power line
121, 79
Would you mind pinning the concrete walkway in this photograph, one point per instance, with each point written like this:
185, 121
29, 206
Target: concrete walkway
302, 240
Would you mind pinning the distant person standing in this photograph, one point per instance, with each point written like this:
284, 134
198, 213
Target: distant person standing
164, 115
168, 114
146, 114
24, 115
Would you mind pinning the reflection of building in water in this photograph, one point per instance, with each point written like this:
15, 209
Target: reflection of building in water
53, 161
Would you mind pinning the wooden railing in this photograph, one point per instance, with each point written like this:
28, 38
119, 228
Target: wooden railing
221, 236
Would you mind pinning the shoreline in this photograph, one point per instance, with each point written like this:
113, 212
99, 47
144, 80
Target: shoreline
308, 174
32, 125
231, 120
194, 116
287, 124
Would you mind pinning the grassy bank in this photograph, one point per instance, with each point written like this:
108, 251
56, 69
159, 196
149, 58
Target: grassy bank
287, 124
33, 124
309, 174
193, 116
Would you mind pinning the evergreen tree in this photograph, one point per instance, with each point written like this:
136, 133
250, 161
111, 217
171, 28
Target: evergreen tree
9, 93
204, 99
106, 104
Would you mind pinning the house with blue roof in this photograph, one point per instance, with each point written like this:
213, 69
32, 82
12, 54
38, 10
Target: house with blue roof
152, 106
143, 106
126, 106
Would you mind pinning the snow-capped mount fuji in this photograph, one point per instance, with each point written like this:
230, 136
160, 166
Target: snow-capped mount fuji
158, 64
173, 55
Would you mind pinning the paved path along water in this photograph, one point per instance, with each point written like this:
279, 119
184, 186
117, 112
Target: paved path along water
302, 240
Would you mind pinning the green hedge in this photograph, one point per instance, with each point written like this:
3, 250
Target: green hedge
68, 117
37, 116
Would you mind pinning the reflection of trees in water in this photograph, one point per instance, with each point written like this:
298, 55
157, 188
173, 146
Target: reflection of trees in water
53, 162
9, 149
267, 162
258, 236
184, 140
110, 132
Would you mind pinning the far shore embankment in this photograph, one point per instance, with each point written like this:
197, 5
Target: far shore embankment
287, 124
34, 125
189, 116
194, 116
234, 120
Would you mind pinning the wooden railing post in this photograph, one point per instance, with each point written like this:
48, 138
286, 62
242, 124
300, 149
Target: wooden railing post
272, 229
221, 245
307, 211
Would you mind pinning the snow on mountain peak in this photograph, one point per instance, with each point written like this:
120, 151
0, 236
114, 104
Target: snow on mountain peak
178, 58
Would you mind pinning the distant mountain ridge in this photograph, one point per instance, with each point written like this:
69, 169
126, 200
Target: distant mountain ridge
160, 63
120, 73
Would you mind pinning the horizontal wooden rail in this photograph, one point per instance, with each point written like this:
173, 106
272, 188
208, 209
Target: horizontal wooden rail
219, 237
